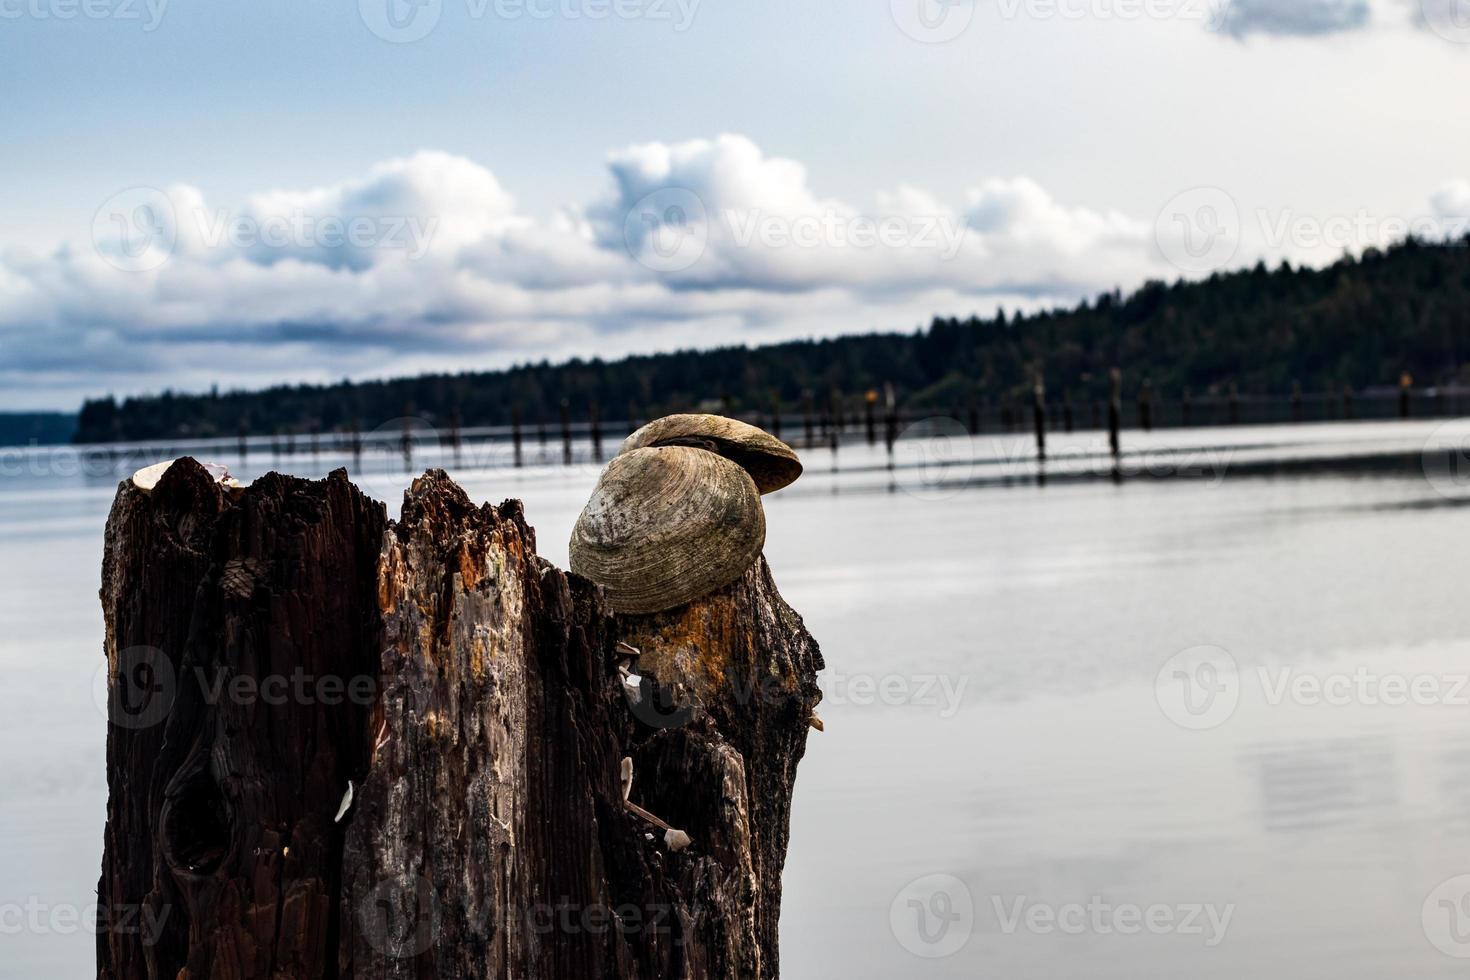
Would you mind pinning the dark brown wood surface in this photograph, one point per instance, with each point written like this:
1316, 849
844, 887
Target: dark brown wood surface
269, 646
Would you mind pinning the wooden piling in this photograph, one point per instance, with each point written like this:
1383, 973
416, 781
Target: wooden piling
355, 438
515, 436
454, 435
332, 831
1406, 384
890, 420
566, 433
1115, 420
594, 419
870, 422
1038, 416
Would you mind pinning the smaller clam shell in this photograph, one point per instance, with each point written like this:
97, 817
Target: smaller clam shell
768, 460
666, 525
147, 478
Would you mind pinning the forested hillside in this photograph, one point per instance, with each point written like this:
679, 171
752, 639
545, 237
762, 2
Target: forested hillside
1360, 322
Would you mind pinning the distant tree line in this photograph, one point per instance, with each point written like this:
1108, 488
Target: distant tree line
1359, 323
39, 428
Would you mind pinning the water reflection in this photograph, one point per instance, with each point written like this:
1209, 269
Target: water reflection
1314, 785
1055, 778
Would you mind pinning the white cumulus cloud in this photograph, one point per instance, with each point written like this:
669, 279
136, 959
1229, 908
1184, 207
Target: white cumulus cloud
426, 262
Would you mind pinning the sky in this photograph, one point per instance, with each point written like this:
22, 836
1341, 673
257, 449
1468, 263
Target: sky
209, 193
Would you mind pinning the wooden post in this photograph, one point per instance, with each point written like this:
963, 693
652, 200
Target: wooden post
594, 419
242, 443
890, 420
1115, 420
341, 747
1406, 385
1038, 416
454, 437
806, 417
515, 436
870, 403
566, 433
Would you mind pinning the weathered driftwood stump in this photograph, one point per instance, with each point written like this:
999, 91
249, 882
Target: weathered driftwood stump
272, 646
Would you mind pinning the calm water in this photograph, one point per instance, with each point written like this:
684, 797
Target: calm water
1071, 731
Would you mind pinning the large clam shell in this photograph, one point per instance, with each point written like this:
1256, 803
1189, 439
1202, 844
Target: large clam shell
666, 525
769, 461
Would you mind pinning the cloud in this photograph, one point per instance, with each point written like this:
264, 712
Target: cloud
1452, 200
426, 262
1291, 18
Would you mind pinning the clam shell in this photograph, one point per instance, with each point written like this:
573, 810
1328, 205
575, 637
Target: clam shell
147, 478
666, 525
769, 461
